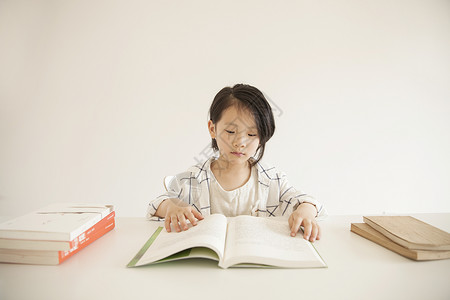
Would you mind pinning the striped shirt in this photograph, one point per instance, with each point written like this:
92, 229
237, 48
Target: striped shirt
276, 196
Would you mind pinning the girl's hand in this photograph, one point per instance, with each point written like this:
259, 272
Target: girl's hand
176, 212
305, 215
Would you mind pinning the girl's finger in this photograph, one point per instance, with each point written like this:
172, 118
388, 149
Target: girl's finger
174, 220
307, 228
167, 224
197, 214
314, 232
182, 220
191, 218
296, 222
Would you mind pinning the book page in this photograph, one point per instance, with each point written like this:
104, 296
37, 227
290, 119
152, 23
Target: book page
209, 233
267, 241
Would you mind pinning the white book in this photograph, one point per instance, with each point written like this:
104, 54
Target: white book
16, 244
30, 257
236, 241
56, 222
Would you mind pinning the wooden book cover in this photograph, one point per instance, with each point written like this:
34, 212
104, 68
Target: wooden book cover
371, 234
410, 232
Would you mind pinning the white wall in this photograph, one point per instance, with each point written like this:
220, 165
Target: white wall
101, 99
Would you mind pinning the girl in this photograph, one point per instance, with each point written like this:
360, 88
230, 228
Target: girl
236, 182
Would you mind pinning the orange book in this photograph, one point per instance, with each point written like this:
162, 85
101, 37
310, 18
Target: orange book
93, 233
57, 257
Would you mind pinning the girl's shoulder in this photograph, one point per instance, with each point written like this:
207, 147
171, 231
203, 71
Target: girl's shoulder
268, 171
201, 170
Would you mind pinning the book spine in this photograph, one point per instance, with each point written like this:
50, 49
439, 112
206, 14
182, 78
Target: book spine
80, 230
89, 236
103, 214
89, 232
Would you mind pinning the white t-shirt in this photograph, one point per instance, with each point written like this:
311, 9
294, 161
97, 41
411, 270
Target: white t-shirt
241, 201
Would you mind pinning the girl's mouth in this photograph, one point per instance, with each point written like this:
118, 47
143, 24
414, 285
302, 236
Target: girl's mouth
238, 154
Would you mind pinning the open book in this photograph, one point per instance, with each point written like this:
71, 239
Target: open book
237, 241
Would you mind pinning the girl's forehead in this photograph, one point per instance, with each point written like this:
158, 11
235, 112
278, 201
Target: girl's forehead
234, 116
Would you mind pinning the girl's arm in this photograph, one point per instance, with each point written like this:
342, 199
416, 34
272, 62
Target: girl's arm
175, 212
305, 215
290, 198
175, 190
301, 208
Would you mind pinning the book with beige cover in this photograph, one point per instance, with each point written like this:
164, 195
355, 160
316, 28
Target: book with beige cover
410, 232
371, 234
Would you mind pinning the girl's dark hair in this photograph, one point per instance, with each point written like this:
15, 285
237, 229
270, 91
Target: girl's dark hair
247, 97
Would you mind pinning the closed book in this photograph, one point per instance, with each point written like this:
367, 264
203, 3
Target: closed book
47, 257
373, 235
56, 222
55, 245
410, 232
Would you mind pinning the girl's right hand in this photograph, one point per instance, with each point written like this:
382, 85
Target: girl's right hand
176, 212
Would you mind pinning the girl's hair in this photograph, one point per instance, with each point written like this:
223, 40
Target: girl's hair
245, 97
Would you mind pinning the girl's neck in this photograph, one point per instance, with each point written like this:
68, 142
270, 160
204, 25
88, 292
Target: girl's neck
225, 166
231, 175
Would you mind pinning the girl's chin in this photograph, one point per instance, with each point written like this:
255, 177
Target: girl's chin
234, 159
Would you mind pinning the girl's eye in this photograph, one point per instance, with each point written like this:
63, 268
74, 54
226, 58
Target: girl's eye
229, 131
251, 134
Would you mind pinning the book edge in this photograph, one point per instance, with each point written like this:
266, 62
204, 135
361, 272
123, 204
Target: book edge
133, 262
404, 242
416, 255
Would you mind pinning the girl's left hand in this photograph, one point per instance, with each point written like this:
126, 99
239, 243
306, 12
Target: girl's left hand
305, 215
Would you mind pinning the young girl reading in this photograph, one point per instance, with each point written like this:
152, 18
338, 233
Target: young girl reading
236, 182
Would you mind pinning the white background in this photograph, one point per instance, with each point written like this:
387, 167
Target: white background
99, 100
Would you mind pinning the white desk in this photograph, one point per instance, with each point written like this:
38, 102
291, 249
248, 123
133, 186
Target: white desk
357, 269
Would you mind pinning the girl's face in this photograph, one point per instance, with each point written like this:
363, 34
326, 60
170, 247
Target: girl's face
236, 135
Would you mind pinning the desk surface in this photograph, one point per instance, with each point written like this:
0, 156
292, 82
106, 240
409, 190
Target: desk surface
357, 269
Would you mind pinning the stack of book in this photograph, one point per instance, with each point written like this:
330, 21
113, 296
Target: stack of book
54, 233
406, 236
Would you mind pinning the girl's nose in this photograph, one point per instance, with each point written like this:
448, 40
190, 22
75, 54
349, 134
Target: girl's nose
240, 141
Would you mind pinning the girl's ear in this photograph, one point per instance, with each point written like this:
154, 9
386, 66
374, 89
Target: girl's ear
212, 129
